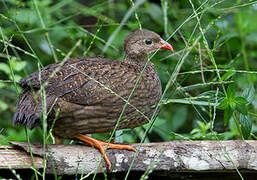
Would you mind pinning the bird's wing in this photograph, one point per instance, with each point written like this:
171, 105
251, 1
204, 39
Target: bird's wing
96, 81
36, 79
84, 81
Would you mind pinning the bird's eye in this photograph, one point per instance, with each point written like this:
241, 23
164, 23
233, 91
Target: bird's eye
148, 41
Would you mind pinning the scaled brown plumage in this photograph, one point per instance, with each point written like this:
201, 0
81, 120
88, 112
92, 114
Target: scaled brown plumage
91, 92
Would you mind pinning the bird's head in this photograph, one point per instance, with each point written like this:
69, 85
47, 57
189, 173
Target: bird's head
142, 42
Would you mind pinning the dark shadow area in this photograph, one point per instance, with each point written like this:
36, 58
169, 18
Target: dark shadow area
29, 174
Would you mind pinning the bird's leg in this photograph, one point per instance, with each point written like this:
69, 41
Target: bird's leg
101, 145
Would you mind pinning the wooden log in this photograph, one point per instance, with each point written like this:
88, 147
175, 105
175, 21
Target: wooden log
13, 157
173, 156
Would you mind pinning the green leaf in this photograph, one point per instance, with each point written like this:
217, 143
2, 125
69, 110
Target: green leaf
3, 105
249, 94
179, 118
201, 124
231, 90
227, 37
223, 104
2, 85
4, 67
162, 134
15, 78
19, 65
251, 38
232, 104
228, 74
155, 12
233, 127
24, 16
246, 125
240, 101
241, 104
242, 109
227, 115
195, 131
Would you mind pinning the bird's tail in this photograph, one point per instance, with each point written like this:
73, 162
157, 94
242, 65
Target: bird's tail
27, 113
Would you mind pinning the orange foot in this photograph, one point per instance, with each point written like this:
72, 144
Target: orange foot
102, 146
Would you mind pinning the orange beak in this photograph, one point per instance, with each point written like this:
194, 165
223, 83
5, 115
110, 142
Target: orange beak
166, 45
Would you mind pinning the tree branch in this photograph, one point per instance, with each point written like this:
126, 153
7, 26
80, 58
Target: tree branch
167, 156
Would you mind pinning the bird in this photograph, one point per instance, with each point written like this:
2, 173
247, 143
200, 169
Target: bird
86, 95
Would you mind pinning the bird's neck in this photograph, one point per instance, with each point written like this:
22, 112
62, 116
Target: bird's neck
136, 60
140, 62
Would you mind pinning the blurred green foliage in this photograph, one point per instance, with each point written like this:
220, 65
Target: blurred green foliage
36, 33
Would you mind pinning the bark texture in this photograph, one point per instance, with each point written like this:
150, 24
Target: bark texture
174, 156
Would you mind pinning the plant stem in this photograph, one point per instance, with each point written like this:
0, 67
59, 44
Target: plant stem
253, 114
238, 126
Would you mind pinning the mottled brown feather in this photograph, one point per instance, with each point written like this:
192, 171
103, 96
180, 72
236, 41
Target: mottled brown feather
85, 105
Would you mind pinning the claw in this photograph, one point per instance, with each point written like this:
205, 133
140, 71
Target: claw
101, 145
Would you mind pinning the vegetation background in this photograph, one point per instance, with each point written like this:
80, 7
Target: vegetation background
209, 81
